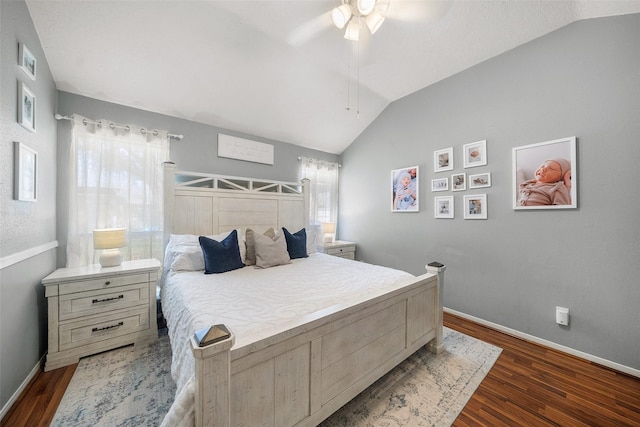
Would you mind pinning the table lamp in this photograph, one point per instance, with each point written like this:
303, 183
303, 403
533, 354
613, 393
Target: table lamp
110, 239
329, 230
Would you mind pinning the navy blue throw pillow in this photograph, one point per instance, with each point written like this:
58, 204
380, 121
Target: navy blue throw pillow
296, 243
220, 257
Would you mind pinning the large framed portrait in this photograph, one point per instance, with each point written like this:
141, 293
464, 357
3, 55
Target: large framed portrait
544, 175
404, 190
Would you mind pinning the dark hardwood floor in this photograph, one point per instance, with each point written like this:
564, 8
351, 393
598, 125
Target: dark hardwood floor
530, 385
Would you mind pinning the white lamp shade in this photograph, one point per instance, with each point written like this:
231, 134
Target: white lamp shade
374, 21
353, 30
341, 15
328, 227
365, 7
109, 238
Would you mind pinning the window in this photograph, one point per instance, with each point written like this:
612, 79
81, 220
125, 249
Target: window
115, 180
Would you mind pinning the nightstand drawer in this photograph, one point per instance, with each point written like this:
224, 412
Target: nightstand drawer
105, 282
86, 332
104, 301
341, 251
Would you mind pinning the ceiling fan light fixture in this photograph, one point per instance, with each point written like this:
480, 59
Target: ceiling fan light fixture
341, 15
353, 30
374, 21
365, 7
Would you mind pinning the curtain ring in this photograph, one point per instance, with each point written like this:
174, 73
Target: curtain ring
143, 131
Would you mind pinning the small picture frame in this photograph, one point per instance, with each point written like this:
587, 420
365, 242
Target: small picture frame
27, 61
440, 184
443, 207
26, 173
475, 206
480, 180
443, 160
26, 107
459, 182
404, 190
475, 154
544, 175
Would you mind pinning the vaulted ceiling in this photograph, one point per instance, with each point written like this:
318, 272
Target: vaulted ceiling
280, 69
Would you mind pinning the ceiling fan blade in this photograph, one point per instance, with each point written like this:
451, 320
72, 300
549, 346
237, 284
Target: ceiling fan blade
310, 29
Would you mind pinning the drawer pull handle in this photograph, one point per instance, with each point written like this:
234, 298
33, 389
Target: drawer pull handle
106, 328
96, 301
107, 283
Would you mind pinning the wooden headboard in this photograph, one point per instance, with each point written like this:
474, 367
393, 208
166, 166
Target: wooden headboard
205, 204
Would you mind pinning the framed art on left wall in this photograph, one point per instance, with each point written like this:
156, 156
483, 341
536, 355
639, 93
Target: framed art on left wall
26, 173
26, 107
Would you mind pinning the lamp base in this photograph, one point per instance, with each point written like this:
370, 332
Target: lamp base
328, 238
110, 258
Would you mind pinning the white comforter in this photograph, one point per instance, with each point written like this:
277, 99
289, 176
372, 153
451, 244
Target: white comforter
257, 303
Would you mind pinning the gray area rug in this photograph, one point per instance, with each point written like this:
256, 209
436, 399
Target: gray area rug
132, 386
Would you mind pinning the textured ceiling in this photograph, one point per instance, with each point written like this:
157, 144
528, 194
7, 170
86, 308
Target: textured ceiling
279, 69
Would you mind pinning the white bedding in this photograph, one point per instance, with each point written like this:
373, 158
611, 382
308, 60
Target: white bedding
257, 303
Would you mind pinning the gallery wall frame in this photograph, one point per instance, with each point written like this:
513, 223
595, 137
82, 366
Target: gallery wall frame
475, 206
27, 61
480, 180
26, 173
443, 160
458, 182
475, 154
440, 184
545, 175
26, 107
405, 189
443, 207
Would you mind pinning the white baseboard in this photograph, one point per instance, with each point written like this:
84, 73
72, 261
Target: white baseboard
20, 389
600, 361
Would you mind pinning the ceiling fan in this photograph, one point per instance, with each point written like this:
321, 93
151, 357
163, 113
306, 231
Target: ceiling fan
359, 16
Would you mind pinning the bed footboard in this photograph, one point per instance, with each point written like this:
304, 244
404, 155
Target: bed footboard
303, 375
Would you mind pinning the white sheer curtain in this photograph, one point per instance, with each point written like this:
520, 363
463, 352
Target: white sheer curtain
115, 180
323, 177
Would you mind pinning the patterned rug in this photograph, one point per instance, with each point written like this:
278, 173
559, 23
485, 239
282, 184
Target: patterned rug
132, 386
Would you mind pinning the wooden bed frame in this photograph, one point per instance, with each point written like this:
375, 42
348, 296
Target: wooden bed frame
301, 376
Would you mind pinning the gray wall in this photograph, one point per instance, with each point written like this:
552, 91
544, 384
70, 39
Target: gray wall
197, 152
513, 269
24, 225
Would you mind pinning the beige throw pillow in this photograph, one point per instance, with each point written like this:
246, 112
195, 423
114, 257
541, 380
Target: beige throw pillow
271, 251
250, 257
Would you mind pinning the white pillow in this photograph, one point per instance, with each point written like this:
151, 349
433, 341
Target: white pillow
183, 252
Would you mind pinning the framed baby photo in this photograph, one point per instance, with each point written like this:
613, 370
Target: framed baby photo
544, 175
458, 182
475, 154
440, 184
26, 107
475, 206
27, 61
443, 160
443, 207
480, 180
404, 190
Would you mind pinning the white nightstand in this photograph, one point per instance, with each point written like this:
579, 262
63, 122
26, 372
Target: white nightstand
93, 309
338, 248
